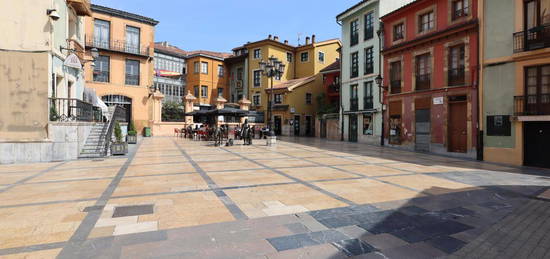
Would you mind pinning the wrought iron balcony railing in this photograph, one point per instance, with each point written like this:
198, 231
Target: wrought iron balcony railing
423, 82
101, 76
532, 105
70, 110
456, 76
535, 38
132, 79
354, 104
368, 103
395, 86
118, 46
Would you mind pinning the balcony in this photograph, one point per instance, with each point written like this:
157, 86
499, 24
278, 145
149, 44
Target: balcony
368, 103
101, 76
536, 38
132, 79
353, 104
395, 86
82, 7
333, 88
73, 110
456, 76
423, 82
532, 105
117, 46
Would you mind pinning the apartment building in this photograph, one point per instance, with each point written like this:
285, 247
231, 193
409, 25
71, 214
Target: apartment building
170, 71
123, 72
238, 74
207, 77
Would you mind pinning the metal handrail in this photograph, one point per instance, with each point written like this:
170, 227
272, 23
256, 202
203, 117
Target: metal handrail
71, 109
119, 114
456, 76
532, 105
532, 39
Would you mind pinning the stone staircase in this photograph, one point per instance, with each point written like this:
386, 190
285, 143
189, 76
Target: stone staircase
95, 143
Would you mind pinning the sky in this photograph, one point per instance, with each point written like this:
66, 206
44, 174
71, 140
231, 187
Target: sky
221, 25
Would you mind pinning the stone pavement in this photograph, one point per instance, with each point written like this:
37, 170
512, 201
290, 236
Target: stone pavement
304, 198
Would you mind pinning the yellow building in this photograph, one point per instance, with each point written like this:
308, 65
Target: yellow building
296, 91
207, 76
123, 73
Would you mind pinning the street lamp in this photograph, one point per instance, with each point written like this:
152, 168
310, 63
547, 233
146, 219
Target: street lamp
271, 68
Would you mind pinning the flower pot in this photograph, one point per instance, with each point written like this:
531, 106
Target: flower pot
118, 149
131, 139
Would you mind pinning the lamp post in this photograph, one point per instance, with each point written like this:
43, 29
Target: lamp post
379, 80
271, 68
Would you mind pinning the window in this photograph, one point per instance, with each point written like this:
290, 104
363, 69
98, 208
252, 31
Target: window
102, 32
369, 26
321, 57
257, 78
456, 65
354, 65
196, 90
278, 98
426, 22
220, 71
132, 72
367, 124
196, 67
257, 54
399, 31
368, 98
256, 100
499, 125
304, 56
395, 77
354, 32
369, 61
204, 67
354, 104
101, 69
240, 73
220, 92
289, 57
460, 8
204, 91
537, 90
423, 71
132, 39
308, 98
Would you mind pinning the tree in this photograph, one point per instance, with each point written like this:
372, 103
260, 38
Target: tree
324, 107
173, 111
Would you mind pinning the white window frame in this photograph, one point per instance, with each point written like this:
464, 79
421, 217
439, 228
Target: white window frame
301, 60
254, 53
319, 57
253, 77
204, 71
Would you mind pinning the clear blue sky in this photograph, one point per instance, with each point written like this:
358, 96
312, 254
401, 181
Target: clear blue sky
220, 25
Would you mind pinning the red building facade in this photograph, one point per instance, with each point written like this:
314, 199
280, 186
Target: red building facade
331, 83
430, 75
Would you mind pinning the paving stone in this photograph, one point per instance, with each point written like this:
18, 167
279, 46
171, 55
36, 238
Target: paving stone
411, 235
352, 247
384, 241
135, 228
307, 239
297, 228
413, 251
447, 244
337, 222
412, 210
317, 251
354, 232
134, 210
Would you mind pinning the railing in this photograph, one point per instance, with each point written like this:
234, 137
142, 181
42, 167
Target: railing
334, 88
70, 109
368, 102
119, 114
117, 45
536, 38
456, 76
532, 105
132, 79
461, 13
395, 86
369, 68
101, 76
354, 39
354, 104
369, 33
423, 82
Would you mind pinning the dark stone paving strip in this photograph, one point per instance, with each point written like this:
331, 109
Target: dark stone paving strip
45, 203
72, 249
337, 197
33, 248
24, 180
229, 204
72, 180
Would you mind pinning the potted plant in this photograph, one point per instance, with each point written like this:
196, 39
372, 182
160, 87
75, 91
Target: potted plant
131, 138
119, 147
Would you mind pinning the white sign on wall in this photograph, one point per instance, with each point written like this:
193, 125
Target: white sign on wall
438, 100
73, 61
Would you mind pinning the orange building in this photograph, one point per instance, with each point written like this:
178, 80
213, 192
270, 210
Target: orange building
207, 76
123, 72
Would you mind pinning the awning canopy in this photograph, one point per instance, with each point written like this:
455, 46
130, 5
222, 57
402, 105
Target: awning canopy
226, 111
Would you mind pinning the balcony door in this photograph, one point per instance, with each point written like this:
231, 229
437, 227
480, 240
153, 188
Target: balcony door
102, 34
132, 39
537, 90
536, 20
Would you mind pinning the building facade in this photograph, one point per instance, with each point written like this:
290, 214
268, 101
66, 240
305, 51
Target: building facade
207, 77
361, 110
297, 89
238, 74
123, 72
431, 76
170, 71
515, 78
42, 91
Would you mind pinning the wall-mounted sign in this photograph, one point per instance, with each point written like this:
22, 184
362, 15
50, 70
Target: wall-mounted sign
73, 61
438, 100
292, 110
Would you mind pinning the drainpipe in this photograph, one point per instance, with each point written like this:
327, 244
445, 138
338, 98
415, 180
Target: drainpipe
479, 85
381, 89
341, 113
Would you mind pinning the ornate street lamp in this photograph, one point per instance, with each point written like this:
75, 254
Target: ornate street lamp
271, 68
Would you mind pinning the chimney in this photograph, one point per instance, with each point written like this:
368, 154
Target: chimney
269, 37
307, 40
276, 38
313, 38
286, 42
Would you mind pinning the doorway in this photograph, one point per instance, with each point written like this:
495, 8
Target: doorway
422, 130
536, 144
323, 128
277, 126
353, 128
296, 125
458, 134
309, 127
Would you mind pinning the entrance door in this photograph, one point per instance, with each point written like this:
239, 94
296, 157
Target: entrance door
353, 128
278, 125
458, 135
422, 130
296, 125
323, 128
308, 126
537, 144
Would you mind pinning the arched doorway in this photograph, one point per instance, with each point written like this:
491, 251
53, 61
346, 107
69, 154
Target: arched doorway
126, 102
